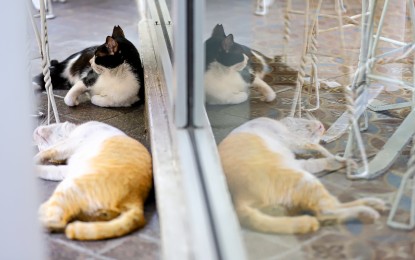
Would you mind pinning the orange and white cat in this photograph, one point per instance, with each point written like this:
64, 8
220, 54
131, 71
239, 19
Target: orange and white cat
264, 175
106, 180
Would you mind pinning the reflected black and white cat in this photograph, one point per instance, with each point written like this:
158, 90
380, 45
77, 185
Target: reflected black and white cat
230, 70
111, 73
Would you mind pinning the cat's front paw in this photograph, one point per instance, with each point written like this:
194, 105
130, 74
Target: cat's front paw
269, 97
307, 224
44, 156
71, 102
39, 158
335, 163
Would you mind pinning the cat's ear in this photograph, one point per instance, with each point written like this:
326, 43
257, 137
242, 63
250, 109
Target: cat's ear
117, 32
111, 45
227, 42
218, 31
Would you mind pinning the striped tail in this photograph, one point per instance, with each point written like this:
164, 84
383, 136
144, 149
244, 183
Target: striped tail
125, 223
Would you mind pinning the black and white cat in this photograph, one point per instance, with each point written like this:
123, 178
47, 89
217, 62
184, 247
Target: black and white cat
111, 73
230, 70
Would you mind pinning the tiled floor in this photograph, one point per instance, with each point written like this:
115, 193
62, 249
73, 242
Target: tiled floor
353, 240
80, 24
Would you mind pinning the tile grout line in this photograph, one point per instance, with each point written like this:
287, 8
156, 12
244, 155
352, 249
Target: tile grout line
296, 248
150, 238
111, 246
81, 249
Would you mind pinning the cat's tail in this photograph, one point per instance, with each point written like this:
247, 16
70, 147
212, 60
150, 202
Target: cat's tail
58, 81
128, 221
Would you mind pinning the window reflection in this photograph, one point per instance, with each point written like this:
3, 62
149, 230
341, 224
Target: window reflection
254, 59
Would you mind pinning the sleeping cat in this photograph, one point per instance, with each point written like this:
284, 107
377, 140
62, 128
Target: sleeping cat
230, 71
262, 172
111, 73
106, 180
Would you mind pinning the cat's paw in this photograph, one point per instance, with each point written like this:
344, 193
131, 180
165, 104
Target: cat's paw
51, 218
38, 159
72, 228
269, 97
367, 215
375, 203
307, 224
44, 156
70, 102
335, 163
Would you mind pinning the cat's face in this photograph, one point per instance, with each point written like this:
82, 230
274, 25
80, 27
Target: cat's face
109, 55
223, 49
308, 128
48, 135
229, 53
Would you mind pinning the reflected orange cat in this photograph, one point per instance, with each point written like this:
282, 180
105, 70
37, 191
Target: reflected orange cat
264, 173
106, 180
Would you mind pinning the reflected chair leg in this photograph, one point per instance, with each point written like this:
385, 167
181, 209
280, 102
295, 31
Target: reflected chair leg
407, 179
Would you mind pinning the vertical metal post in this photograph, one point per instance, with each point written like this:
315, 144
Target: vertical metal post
180, 64
20, 234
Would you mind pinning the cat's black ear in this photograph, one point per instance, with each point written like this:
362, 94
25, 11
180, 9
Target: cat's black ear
117, 32
111, 45
227, 42
218, 31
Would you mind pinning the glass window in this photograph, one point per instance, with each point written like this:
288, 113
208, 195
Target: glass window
325, 49
300, 189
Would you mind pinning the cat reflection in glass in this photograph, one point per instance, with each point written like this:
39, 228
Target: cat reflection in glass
111, 73
261, 162
229, 70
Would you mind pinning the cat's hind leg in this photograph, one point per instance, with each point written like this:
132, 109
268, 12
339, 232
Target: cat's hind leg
61, 208
314, 197
71, 98
255, 219
266, 91
129, 220
52, 172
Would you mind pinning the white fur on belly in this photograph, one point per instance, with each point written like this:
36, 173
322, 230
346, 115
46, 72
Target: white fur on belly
224, 85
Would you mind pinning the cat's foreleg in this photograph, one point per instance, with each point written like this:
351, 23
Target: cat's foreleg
323, 164
71, 98
57, 153
51, 172
61, 207
311, 149
266, 91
